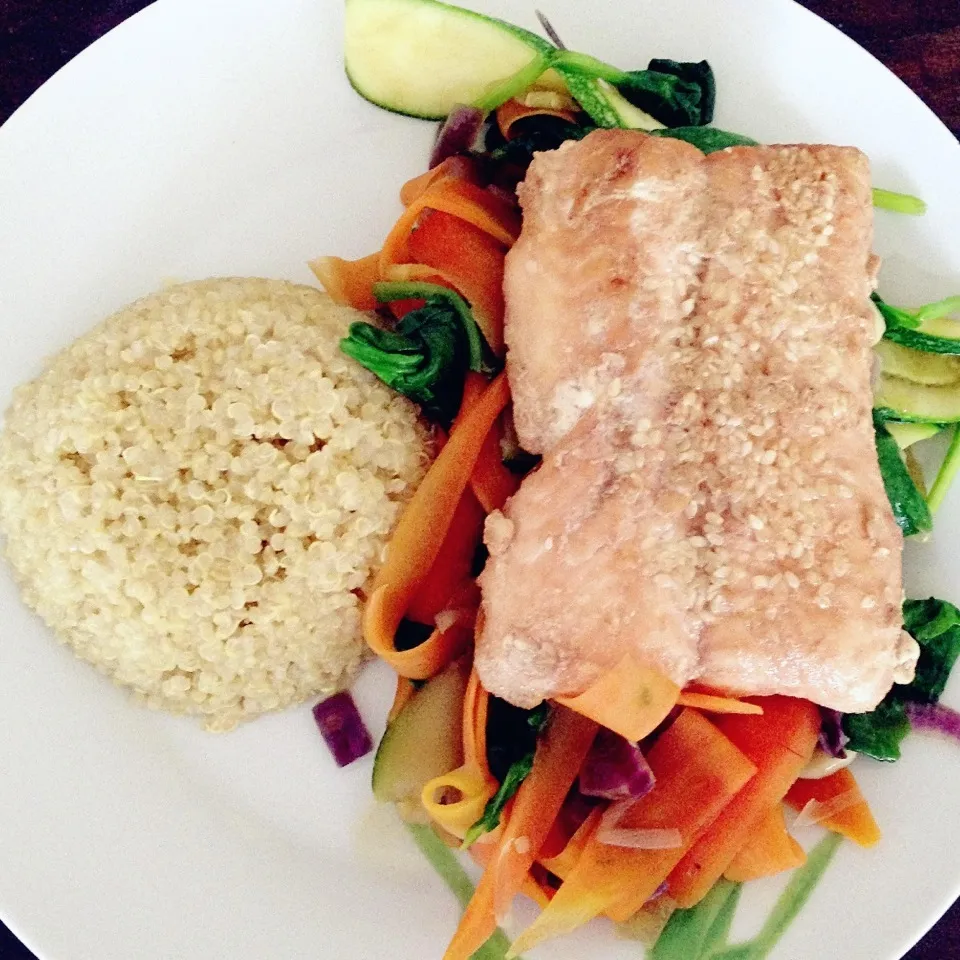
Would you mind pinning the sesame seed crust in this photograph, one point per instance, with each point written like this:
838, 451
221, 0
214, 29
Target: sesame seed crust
736, 526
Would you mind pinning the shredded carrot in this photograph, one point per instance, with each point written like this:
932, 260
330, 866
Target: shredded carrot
780, 744
769, 850
476, 205
473, 387
538, 889
418, 538
540, 894
396, 247
560, 753
423, 525
475, 710
349, 282
458, 167
855, 821
492, 483
513, 110
632, 699
697, 771
481, 288
405, 690
459, 198
710, 703
469, 260
382, 616
453, 564
563, 863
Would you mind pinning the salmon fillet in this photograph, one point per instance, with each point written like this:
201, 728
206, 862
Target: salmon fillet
690, 347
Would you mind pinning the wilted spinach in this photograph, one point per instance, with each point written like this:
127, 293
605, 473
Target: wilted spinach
935, 625
427, 354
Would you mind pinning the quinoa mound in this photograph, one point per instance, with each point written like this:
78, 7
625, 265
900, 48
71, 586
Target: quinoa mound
195, 494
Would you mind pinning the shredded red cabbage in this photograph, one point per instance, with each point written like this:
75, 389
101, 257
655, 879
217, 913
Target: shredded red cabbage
457, 133
615, 769
343, 728
832, 738
934, 717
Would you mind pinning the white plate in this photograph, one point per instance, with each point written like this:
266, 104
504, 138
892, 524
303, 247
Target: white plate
208, 137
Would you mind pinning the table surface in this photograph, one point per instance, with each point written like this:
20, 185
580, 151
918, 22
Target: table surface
918, 39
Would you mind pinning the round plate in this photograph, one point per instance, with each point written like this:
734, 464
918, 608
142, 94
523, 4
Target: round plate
211, 137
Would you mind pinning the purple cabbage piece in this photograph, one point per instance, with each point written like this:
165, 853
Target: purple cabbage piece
343, 728
615, 769
832, 738
457, 134
934, 717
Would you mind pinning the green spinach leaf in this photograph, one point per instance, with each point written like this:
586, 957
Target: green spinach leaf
699, 74
935, 625
520, 729
533, 135
490, 820
677, 94
427, 354
879, 733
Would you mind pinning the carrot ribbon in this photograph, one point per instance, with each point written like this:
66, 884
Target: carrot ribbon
697, 771
854, 821
632, 699
560, 753
780, 744
417, 541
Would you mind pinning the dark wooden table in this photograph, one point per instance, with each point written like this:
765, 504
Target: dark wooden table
918, 39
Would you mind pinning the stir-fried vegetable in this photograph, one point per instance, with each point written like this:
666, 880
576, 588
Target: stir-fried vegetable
706, 139
427, 355
615, 769
770, 850
779, 744
947, 472
929, 328
515, 774
636, 839
840, 806
698, 771
899, 202
910, 509
558, 758
631, 699
343, 728
935, 625
442, 859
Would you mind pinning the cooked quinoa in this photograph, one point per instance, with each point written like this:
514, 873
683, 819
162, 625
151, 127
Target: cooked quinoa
194, 494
